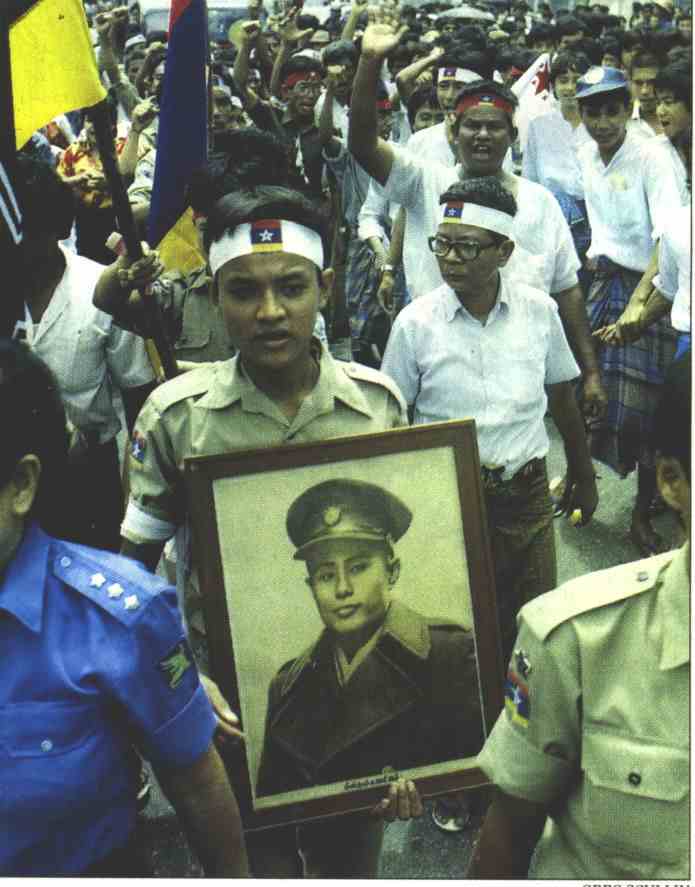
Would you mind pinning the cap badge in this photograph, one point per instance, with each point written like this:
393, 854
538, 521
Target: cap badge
332, 515
595, 75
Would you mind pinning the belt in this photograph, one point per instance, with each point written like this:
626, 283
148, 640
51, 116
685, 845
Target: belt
492, 475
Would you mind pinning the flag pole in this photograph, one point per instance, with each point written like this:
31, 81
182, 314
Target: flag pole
208, 56
100, 117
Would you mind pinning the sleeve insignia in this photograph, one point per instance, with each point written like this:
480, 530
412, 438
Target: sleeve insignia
176, 664
516, 699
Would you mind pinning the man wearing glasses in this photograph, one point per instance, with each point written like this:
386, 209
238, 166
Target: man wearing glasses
483, 345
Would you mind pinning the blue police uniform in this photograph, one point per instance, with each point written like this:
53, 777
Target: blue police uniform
94, 659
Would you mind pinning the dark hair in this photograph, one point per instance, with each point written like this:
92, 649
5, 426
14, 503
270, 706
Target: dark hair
48, 204
306, 21
631, 38
262, 202
659, 42
677, 77
423, 95
245, 158
510, 57
568, 24
340, 52
671, 429
610, 47
541, 31
297, 64
483, 191
33, 411
157, 37
567, 61
591, 48
465, 57
645, 58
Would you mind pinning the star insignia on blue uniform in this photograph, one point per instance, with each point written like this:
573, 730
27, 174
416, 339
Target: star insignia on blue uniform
266, 236
131, 602
97, 580
115, 590
451, 212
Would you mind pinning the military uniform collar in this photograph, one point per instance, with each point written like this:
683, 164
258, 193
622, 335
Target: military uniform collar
231, 384
22, 589
409, 629
674, 611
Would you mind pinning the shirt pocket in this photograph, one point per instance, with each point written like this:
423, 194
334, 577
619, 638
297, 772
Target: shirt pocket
635, 796
45, 729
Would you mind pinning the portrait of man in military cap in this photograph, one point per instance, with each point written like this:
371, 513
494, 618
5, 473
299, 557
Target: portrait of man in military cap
383, 688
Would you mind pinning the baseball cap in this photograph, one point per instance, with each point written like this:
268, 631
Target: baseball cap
598, 79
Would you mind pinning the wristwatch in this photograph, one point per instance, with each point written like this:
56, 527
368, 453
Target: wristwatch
387, 267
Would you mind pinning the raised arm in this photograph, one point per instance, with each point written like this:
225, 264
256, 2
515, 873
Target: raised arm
381, 37
249, 37
351, 22
406, 80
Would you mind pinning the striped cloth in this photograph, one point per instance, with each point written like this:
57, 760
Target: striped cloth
632, 374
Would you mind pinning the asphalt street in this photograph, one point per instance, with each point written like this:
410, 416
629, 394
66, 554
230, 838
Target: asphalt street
418, 849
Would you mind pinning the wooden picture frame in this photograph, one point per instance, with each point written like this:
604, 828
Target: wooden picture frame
260, 615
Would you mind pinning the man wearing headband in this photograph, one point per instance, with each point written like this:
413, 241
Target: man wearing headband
484, 347
545, 256
266, 257
383, 686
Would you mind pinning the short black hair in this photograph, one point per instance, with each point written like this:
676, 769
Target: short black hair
307, 21
567, 61
423, 95
672, 424
298, 64
340, 52
677, 77
541, 31
569, 24
47, 202
610, 47
244, 158
462, 56
33, 411
646, 58
483, 191
262, 202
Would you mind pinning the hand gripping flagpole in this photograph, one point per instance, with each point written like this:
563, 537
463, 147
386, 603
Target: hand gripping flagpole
99, 115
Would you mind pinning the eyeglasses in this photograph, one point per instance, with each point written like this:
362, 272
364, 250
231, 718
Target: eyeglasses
305, 87
465, 250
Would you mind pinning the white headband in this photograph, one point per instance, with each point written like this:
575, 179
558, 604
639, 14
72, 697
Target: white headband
479, 216
461, 75
266, 236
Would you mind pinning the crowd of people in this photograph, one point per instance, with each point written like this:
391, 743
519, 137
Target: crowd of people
408, 216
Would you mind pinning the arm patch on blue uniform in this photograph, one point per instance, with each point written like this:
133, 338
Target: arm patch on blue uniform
176, 663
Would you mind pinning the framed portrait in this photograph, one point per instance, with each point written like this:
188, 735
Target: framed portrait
348, 596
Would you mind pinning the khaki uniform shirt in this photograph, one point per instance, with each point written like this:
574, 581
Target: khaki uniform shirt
596, 722
217, 409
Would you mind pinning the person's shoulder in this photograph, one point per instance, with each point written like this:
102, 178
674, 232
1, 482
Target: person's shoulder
367, 378
287, 678
591, 593
119, 587
537, 194
192, 384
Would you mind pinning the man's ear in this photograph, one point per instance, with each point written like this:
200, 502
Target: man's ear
326, 287
25, 484
394, 571
505, 250
515, 133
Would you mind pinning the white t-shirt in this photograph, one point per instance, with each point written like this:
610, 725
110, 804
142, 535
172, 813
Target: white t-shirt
550, 157
673, 280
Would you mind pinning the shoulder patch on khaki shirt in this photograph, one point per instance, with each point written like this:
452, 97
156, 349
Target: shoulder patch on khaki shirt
189, 384
586, 593
366, 374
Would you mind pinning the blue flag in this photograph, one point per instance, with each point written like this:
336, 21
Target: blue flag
182, 137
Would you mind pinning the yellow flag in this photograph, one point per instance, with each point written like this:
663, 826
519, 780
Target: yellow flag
53, 65
178, 249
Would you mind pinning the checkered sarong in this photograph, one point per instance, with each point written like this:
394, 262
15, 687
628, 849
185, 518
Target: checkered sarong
632, 374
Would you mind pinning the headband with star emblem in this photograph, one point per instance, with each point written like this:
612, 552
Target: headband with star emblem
266, 236
460, 75
484, 100
460, 213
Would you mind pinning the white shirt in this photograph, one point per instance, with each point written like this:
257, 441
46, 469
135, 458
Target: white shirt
673, 280
431, 145
661, 146
545, 256
550, 156
341, 120
86, 351
629, 201
638, 125
375, 209
451, 366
